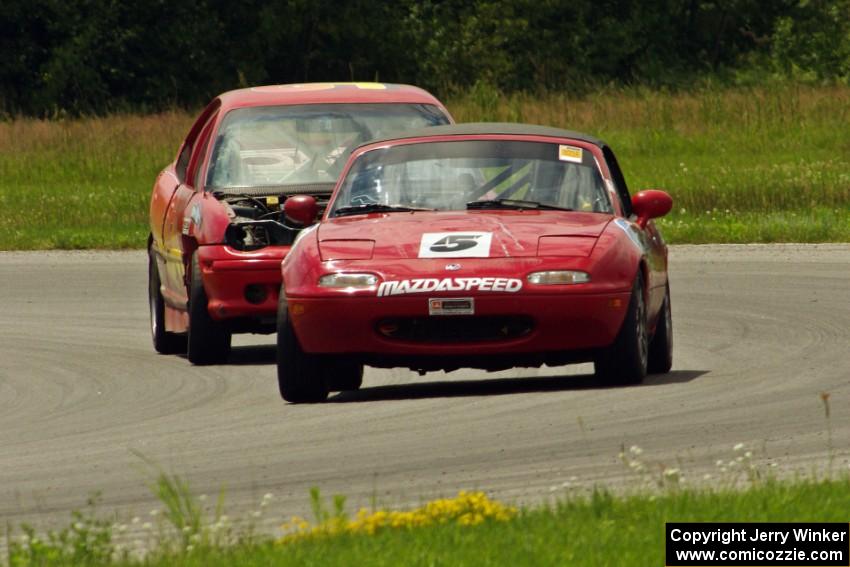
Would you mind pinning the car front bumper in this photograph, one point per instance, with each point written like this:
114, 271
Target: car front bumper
242, 284
559, 322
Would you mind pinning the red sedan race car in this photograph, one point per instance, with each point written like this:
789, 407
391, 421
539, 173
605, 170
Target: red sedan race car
477, 245
217, 220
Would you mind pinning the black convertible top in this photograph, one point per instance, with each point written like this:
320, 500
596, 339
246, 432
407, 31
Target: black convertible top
485, 128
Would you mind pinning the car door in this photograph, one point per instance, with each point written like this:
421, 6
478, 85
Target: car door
178, 249
654, 247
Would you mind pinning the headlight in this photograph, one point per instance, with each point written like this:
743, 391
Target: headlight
348, 280
558, 277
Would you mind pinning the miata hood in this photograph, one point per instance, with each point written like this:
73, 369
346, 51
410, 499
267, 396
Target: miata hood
461, 234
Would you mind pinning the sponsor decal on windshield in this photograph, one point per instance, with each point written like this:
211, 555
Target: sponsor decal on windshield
455, 245
570, 153
430, 285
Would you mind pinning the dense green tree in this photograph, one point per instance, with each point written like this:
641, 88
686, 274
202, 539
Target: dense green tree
92, 56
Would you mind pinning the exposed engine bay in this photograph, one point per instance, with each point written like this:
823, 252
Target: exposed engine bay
257, 221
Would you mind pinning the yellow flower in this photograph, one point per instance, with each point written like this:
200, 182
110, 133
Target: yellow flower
466, 509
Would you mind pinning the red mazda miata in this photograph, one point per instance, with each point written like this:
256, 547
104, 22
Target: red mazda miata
475, 245
218, 231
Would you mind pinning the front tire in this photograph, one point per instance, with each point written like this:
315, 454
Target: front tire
661, 347
301, 377
164, 342
342, 375
209, 340
625, 361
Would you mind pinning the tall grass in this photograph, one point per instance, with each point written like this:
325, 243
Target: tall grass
763, 149
759, 153
82, 183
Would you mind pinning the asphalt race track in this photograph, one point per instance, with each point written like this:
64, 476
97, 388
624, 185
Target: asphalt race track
760, 333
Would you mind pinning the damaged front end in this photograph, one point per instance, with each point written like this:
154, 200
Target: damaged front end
257, 219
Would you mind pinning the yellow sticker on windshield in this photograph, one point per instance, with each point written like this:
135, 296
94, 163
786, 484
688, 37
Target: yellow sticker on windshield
570, 153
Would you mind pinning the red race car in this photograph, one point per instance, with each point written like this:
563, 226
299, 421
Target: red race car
475, 245
217, 221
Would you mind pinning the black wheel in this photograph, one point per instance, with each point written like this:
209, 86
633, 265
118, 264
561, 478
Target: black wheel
300, 375
164, 342
209, 340
343, 375
625, 361
661, 347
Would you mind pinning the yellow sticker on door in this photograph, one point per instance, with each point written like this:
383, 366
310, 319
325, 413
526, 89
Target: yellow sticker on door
570, 153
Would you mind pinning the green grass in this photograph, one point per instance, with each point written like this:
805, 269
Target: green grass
595, 529
776, 157
82, 183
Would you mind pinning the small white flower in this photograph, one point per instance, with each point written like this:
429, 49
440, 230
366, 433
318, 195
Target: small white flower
635, 450
256, 514
147, 526
202, 498
268, 496
738, 447
135, 520
154, 513
719, 463
190, 547
187, 529
706, 476
79, 526
671, 472
748, 454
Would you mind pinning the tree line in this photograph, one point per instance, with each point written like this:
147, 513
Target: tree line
61, 57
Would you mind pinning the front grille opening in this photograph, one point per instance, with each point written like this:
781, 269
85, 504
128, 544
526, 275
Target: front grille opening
455, 329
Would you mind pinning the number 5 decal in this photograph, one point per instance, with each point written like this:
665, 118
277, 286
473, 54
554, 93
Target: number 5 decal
455, 245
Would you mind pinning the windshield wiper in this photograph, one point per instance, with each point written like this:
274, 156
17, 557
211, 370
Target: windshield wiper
374, 208
512, 204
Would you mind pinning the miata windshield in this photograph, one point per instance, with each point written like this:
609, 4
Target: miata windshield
303, 144
463, 175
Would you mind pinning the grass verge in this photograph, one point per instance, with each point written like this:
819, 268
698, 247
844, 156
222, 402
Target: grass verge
596, 528
776, 157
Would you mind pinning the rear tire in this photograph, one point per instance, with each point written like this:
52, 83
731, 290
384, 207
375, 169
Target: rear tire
661, 347
209, 340
301, 377
625, 361
164, 342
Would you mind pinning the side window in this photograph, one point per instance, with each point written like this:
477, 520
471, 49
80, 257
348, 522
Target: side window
183, 162
619, 180
198, 157
181, 167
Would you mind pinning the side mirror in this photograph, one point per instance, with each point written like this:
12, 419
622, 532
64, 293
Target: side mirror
301, 209
651, 204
